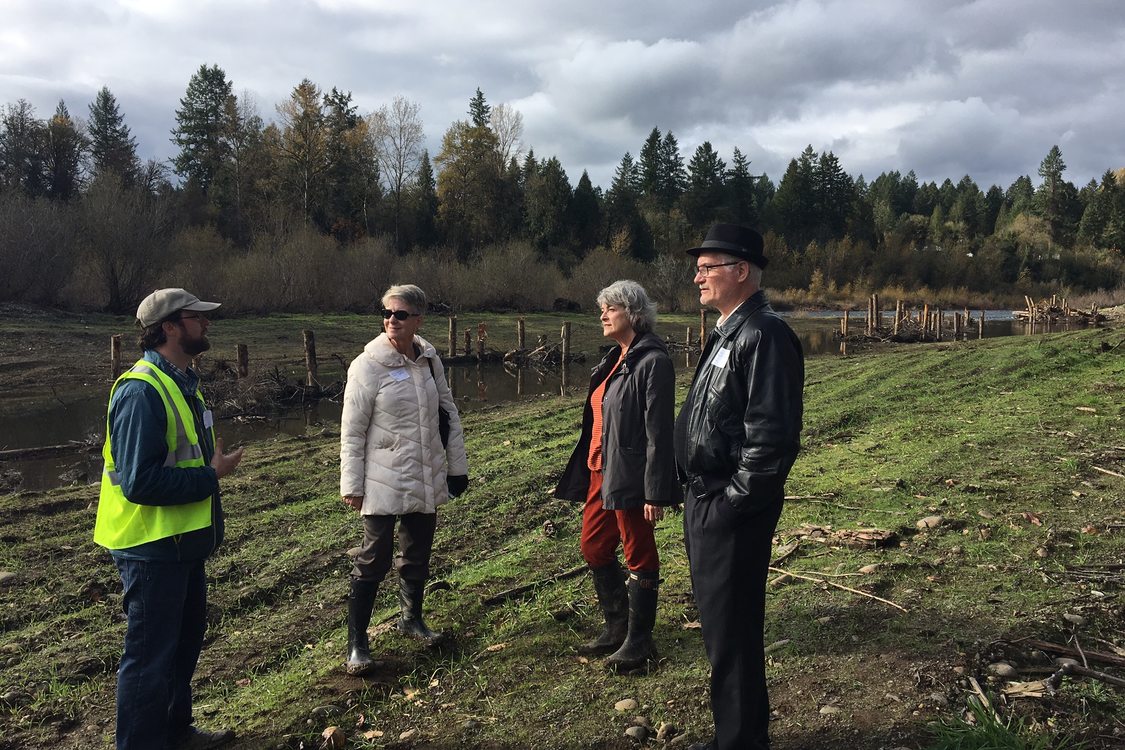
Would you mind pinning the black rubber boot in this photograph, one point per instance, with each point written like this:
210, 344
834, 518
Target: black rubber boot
410, 596
638, 647
609, 584
361, 599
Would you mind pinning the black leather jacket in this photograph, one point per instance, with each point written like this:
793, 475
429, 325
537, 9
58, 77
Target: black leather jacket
638, 412
739, 429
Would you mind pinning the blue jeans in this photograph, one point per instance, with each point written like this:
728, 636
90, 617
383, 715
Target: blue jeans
166, 607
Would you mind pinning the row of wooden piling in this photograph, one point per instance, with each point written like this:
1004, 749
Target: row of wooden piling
907, 324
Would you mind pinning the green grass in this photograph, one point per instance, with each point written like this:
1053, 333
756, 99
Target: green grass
981, 433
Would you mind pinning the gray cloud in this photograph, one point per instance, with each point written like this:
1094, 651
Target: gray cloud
982, 87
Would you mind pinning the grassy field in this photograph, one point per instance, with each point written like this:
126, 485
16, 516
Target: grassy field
1016, 443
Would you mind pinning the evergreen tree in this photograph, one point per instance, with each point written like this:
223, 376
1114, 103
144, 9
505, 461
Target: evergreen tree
22, 146
425, 204
65, 150
469, 182
547, 201
739, 205
1053, 199
480, 113
352, 172
673, 174
585, 215
201, 122
651, 166
303, 148
112, 147
794, 205
705, 192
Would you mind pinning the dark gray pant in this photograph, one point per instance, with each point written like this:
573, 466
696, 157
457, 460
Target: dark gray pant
415, 542
729, 558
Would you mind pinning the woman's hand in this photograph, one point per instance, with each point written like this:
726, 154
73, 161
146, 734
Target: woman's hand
355, 502
653, 513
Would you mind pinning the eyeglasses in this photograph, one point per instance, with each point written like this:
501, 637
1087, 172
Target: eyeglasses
705, 270
192, 317
399, 314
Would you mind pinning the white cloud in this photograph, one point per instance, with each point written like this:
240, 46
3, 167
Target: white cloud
943, 87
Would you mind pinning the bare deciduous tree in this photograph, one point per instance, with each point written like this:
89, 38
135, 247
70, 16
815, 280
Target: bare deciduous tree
507, 123
398, 137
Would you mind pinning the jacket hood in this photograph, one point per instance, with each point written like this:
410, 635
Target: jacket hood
383, 351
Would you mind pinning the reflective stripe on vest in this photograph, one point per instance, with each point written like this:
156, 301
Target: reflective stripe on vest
122, 524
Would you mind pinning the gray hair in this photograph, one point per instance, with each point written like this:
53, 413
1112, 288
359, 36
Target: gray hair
412, 296
632, 297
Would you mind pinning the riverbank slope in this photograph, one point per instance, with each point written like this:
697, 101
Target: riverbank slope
1011, 449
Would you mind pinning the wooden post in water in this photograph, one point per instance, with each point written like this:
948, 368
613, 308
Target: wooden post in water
452, 335
242, 357
939, 321
702, 327
482, 334
924, 320
310, 357
468, 342
898, 317
687, 338
980, 325
115, 355
877, 313
957, 326
844, 323
521, 333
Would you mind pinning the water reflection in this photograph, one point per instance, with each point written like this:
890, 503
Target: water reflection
56, 422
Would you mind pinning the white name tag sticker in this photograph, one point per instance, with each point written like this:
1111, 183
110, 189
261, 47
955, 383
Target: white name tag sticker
720, 358
208, 419
400, 374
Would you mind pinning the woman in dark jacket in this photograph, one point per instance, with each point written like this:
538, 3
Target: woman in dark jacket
623, 469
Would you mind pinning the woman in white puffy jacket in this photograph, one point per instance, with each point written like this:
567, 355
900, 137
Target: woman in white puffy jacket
393, 465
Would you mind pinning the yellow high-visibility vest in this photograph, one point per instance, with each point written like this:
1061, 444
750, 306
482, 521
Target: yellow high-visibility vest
122, 524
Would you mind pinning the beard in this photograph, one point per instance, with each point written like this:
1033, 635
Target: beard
193, 347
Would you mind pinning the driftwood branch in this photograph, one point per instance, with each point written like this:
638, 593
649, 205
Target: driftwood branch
1107, 471
1081, 671
1057, 648
46, 450
782, 571
512, 593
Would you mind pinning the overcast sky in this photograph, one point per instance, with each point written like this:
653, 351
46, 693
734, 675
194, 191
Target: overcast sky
943, 87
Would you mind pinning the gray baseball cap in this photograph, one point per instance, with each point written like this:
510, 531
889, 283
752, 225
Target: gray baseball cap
164, 302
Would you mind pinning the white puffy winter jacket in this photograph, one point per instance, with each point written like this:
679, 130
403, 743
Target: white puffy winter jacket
390, 448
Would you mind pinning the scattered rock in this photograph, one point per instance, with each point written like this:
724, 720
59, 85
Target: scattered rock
409, 734
334, 738
640, 734
1003, 669
7, 578
354, 551
665, 731
626, 704
1065, 661
776, 646
829, 710
1075, 620
642, 721
937, 699
869, 569
470, 724
930, 522
11, 698
324, 712
823, 620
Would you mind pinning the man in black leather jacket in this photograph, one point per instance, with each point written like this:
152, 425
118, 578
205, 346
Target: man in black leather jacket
736, 438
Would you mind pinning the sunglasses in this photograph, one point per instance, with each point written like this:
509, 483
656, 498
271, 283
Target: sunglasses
399, 314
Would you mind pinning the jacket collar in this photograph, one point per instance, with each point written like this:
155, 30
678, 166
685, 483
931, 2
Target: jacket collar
641, 344
383, 351
742, 313
188, 381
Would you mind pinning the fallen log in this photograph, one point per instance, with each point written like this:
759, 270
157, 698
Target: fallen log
1061, 650
15, 454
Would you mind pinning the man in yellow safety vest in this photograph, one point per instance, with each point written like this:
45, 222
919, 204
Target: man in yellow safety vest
160, 516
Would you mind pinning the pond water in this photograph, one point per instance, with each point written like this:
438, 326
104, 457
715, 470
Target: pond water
57, 422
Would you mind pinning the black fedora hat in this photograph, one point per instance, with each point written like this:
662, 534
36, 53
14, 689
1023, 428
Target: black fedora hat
733, 239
